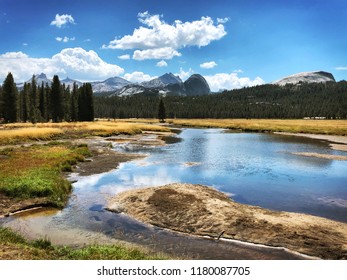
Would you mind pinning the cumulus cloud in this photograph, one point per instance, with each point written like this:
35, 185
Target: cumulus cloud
65, 39
124, 57
208, 65
138, 77
341, 68
184, 75
160, 53
73, 62
61, 20
222, 81
161, 63
156, 35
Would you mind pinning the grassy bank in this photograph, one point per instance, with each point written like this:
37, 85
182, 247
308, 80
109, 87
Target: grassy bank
329, 127
22, 132
15, 247
36, 171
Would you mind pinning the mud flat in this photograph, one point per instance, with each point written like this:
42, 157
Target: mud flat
336, 142
204, 211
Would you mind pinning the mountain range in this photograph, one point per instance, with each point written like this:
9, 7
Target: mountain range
169, 84
116, 86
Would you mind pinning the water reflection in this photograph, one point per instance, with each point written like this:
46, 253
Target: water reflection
256, 169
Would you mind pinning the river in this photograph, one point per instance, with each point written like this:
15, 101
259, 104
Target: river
252, 168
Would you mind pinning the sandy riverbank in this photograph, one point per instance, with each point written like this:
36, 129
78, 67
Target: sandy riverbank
200, 210
336, 142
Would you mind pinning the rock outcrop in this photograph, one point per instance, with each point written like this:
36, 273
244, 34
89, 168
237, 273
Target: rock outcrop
196, 85
306, 77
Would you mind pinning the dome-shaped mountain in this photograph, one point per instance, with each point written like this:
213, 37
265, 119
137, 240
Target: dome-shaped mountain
306, 77
196, 85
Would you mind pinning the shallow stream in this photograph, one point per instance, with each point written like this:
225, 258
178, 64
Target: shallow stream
252, 168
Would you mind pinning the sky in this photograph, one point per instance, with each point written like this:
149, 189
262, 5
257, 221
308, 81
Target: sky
232, 43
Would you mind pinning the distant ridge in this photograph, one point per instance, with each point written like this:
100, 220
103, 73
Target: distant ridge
117, 86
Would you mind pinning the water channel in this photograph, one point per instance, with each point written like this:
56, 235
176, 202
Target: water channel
252, 168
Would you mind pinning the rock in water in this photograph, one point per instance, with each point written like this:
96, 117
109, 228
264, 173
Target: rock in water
196, 85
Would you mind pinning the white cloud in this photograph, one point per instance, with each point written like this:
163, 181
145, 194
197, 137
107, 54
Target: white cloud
184, 75
160, 53
124, 57
341, 68
65, 39
227, 81
238, 71
87, 40
73, 62
61, 20
158, 35
162, 63
138, 77
208, 65
223, 20
25, 44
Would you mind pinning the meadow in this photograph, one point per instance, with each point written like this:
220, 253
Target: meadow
328, 127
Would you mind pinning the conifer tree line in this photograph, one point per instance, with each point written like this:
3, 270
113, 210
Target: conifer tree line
316, 100
41, 103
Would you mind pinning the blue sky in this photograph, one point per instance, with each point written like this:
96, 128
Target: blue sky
232, 43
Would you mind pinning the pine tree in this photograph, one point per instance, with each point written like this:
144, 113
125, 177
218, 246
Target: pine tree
74, 103
1, 104
86, 103
25, 103
67, 103
34, 101
161, 111
9, 99
48, 91
56, 100
43, 102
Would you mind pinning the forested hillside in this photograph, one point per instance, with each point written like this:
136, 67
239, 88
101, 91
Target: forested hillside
326, 100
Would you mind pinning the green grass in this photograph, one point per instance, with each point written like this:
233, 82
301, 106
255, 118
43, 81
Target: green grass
36, 171
16, 247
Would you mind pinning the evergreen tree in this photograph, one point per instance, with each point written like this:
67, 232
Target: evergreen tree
1, 104
34, 101
86, 103
67, 103
43, 102
48, 91
57, 100
25, 103
9, 99
161, 111
74, 103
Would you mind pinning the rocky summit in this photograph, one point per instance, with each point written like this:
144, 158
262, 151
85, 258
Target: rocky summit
306, 77
196, 85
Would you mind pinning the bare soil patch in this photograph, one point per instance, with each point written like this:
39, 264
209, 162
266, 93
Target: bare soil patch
201, 210
325, 156
337, 142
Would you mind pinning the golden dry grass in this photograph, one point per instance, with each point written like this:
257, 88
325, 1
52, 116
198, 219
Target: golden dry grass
21, 132
330, 127
28, 133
